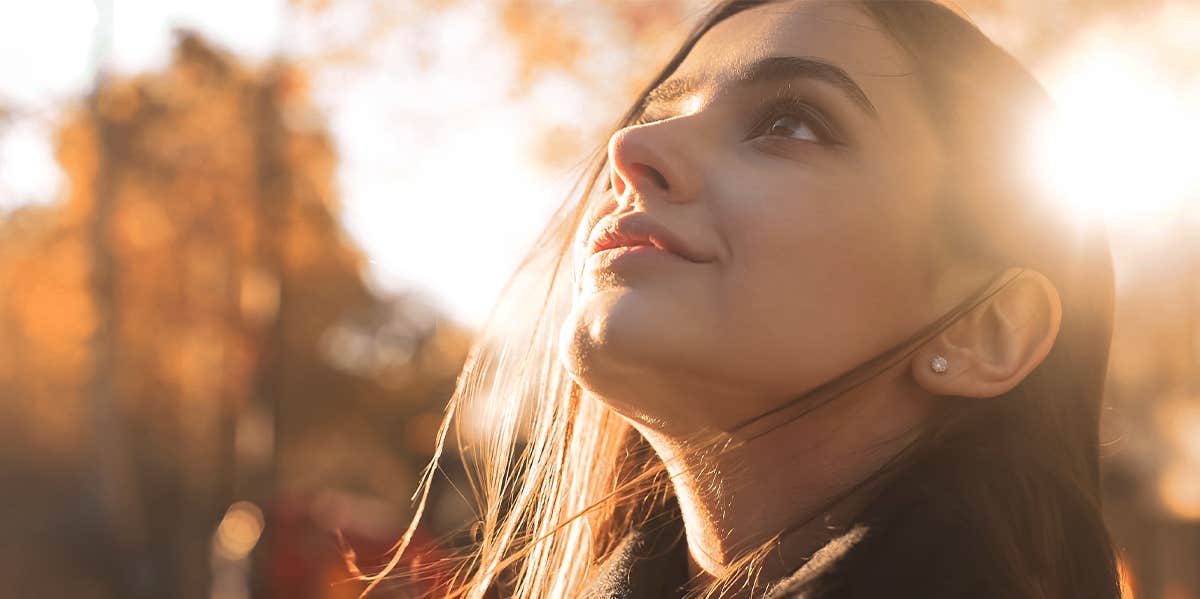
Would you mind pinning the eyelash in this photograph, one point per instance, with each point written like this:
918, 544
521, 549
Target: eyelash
781, 106
785, 105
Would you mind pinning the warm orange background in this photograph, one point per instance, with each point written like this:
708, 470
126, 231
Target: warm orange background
229, 325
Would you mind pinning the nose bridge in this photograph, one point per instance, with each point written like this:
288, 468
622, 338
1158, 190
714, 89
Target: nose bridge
654, 160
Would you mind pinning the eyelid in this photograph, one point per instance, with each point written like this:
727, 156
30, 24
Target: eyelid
780, 104
786, 104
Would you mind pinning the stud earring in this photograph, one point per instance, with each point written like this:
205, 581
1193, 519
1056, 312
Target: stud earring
939, 364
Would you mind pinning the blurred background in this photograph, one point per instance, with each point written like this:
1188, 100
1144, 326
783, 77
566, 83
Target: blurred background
244, 247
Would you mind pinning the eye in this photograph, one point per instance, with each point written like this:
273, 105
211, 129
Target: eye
791, 126
794, 119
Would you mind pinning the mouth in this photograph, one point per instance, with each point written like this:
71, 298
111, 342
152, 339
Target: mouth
638, 230
646, 247
616, 257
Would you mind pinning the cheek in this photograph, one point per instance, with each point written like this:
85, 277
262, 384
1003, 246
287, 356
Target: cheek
817, 283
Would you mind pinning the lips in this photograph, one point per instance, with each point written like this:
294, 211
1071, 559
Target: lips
639, 229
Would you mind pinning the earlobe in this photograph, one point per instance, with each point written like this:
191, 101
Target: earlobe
991, 349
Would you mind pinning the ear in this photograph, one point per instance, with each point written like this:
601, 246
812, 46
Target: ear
992, 348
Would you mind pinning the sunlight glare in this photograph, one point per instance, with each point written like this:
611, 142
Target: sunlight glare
1123, 141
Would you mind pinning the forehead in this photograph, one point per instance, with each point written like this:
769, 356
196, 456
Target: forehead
840, 33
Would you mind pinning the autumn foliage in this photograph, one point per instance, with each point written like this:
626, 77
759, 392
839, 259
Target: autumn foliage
190, 326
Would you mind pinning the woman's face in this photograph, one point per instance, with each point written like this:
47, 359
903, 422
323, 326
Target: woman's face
792, 161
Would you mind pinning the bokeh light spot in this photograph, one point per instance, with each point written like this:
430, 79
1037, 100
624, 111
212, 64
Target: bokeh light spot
239, 530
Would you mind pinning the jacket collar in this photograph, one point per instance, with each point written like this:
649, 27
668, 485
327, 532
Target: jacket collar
652, 563
648, 563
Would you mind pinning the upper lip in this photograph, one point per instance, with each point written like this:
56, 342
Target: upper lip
636, 229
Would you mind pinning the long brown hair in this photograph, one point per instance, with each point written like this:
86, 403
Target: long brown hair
559, 478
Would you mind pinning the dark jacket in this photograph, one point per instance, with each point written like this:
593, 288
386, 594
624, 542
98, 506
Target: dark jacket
917, 547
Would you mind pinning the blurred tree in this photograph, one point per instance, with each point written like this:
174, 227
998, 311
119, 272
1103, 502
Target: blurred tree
191, 327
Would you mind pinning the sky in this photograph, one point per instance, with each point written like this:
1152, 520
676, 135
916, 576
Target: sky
440, 196
443, 196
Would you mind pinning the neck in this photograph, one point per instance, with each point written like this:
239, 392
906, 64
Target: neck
742, 496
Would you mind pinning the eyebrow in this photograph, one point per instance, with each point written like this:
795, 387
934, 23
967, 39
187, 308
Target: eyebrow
775, 68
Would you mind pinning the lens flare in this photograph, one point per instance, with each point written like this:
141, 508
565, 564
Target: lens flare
1125, 139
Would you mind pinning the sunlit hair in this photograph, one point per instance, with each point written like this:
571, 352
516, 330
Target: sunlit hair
559, 478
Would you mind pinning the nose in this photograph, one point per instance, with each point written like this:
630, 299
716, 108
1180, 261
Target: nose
649, 161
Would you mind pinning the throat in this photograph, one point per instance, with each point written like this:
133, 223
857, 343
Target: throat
761, 509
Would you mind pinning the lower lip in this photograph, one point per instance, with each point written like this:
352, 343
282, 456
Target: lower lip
615, 257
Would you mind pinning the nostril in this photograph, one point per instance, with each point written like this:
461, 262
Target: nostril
661, 180
653, 173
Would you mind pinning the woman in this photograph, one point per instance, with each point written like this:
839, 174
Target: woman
817, 336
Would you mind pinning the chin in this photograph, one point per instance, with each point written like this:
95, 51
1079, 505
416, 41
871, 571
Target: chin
614, 333
632, 349
599, 353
